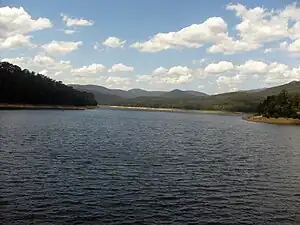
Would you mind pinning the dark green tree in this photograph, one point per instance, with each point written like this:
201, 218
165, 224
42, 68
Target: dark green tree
281, 105
19, 86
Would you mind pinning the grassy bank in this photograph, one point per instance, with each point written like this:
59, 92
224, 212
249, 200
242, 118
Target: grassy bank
280, 121
42, 107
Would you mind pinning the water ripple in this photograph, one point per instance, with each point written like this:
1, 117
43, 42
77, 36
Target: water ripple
135, 167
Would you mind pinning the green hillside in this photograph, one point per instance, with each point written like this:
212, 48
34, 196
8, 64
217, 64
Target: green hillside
243, 101
20, 86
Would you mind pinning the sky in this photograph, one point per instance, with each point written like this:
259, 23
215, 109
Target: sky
210, 46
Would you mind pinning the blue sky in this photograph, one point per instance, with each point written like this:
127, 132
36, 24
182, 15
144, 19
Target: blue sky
211, 46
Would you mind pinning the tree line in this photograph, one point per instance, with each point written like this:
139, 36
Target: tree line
236, 103
20, 86
281, 105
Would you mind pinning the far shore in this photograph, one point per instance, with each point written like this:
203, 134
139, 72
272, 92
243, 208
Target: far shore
279, 121
171, 109
41, 107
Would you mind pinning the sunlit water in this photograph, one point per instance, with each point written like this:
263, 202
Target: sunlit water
139, 167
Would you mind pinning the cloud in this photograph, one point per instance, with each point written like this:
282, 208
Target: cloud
259, 24
257, 27
44, 72
16, 41
237, 79
118, 82
273, 73
230, 83
229, 46
160, 71
58, 73
295, 30
42, 63
17, 61
174, 76
277, 68
281, 73
220, 67
270, 73
193, 36
16, 24
114, 42
181, 70
253, 67
91, 69
70, 22
61, 47
294, 47
17, 21
120, 68
103, 80
70, 31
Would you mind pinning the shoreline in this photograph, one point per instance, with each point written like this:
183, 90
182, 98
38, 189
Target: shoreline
172, 110
42, 107
271, 120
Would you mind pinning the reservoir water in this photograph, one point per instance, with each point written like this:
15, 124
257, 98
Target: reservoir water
143, 167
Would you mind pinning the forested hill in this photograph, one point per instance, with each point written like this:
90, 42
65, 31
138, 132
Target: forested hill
242, 101
20, 86
135, 93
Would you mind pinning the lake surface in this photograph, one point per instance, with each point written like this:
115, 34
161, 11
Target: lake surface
142, 167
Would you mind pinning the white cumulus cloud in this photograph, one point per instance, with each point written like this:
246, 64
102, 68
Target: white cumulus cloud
16, 41
253, 67
44, 72
173, 76
70, 22
44, 64
257, 27
193, 36
15, 26
160, 70
120, 68
220, 67
61, 47
91, 69
117, 82
230, 83
114, 42
294, 47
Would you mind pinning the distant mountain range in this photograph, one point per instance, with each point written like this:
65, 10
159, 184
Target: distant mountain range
244, 101
19, 86
134, 93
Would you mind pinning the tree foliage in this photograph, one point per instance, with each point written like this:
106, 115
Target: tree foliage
19, 86
281, 105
